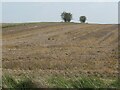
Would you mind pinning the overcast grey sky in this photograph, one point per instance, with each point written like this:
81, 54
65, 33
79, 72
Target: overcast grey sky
96, 12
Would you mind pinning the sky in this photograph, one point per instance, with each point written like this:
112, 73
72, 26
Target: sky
60, 0
96, 12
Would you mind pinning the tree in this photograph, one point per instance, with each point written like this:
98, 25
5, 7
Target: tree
67, 17
83, 19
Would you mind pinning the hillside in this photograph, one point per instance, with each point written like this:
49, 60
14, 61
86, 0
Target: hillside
41, 50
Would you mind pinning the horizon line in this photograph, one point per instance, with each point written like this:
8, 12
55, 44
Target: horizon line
53, 22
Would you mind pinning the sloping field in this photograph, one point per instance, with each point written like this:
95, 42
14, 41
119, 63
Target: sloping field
69, 49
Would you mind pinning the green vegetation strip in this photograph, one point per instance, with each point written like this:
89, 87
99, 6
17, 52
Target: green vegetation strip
11, 25
23, 84
60, 82
83, 82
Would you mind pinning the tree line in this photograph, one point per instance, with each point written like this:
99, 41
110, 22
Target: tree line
67, 17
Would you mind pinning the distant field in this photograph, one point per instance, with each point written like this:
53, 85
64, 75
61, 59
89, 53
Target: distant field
43, 50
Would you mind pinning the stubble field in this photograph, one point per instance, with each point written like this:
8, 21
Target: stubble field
43, 50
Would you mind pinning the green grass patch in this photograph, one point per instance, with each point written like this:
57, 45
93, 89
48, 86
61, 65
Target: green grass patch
116, 83
22, 84
93, 83
86, 82
59, 82
83, 82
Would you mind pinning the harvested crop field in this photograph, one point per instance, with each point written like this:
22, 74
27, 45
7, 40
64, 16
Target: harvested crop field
41, 50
